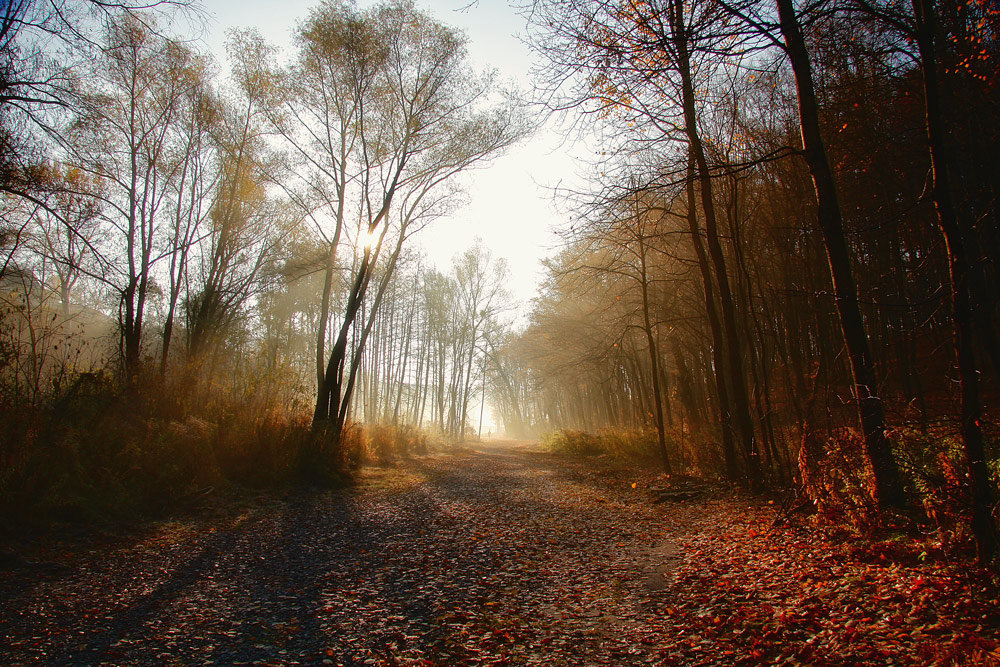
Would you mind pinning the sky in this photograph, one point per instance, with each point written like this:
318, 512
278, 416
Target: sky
510, 202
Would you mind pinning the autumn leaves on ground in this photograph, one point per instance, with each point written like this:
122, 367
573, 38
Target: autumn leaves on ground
503, 554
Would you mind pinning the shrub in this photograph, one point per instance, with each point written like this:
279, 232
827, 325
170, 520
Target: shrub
934, 469
355, 445
620, 445
566, 441
840, 480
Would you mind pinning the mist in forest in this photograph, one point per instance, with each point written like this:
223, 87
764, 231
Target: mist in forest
780, 270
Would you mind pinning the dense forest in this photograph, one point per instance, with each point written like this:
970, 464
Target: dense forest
782, 272
786, 265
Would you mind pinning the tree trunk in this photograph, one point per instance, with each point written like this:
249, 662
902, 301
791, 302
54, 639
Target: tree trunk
732, 348
983, 527
718, 342
329, 391
654, 362
888, 487
324, 314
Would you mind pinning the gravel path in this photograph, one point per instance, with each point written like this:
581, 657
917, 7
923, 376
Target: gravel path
504, 555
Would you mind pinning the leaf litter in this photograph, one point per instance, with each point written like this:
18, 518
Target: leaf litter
503, 556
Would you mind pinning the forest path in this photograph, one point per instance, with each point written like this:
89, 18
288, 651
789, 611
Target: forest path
499, 555
473, 557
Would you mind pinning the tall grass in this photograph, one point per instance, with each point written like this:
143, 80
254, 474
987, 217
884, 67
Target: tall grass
619, 445
384, 444
690, 454
98, 450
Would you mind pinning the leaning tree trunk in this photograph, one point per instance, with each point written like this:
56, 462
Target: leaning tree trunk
324, 313
732, 349
369, 322
888, 487
329, 392
718, 341
983, 527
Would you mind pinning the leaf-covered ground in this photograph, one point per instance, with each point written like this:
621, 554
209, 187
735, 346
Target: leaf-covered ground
504, 555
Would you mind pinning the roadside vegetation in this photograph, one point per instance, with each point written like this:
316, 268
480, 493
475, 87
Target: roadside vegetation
94, 454
934, 525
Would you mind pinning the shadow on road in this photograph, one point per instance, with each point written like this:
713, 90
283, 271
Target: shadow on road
493, 551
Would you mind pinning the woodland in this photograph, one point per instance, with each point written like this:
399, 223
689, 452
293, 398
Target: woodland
792, 245
208, 276
779, 287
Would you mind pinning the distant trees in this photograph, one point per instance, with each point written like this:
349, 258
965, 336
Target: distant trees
481, 299
623, 242
246, 225
67, 230
431, 334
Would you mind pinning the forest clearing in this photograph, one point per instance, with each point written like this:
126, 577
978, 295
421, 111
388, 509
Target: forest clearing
501, 555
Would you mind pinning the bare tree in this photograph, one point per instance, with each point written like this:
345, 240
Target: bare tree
124, 139
431, 121
194, 163
43, 45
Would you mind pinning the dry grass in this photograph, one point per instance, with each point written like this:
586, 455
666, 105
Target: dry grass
383, 444
619, 445
695, 455
101, 451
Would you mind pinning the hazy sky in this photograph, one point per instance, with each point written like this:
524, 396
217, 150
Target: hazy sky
510, 202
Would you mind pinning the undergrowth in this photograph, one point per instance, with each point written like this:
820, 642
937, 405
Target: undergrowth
690, 454
625, 446
838, 492
101, 451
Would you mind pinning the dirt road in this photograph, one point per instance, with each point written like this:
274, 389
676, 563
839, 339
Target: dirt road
500, 556
504, 554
